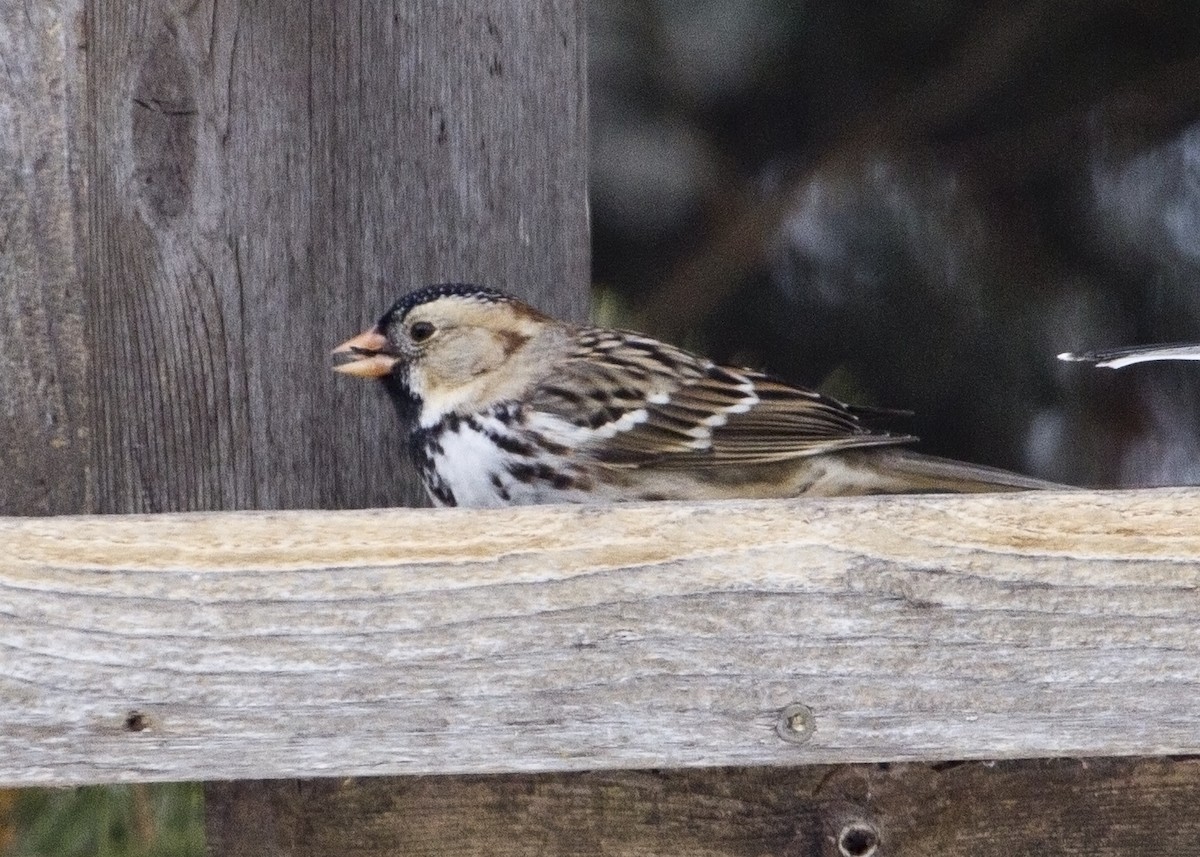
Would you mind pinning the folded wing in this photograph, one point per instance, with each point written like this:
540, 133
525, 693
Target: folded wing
632, 401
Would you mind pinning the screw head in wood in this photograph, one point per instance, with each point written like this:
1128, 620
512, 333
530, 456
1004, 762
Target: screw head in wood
796, 723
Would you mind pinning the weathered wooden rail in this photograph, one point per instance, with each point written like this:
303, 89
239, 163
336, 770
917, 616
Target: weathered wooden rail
199, 199
275, 644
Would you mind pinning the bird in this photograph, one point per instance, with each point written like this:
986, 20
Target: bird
1116, 358
505, 405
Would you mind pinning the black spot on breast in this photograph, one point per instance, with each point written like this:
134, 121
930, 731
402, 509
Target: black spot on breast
408, 404
441, 491
529, 473
522, 472
423, 445
510, 443
419, 443
501, 491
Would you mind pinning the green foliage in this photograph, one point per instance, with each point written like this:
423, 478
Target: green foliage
162, 820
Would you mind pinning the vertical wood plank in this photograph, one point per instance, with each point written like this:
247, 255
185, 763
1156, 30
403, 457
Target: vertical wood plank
44, 407
269, 176
199, 199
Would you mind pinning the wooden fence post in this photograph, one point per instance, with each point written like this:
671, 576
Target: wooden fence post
198, 200
45, 407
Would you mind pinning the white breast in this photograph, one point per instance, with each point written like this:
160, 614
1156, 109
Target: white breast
480, 474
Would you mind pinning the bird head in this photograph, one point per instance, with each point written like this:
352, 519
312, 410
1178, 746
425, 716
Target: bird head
446, 345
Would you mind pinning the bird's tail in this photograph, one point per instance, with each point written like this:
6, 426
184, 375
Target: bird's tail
904, 471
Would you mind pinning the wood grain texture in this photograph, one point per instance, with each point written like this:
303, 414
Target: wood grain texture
199, 199
44, 403
452, 641
196, 201
266, 178
1105, 808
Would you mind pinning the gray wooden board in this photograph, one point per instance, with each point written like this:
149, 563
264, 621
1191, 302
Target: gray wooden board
196, 201
45, 415
199, 200
250, 645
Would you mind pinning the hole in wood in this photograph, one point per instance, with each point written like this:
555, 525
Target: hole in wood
136, 721
857, 840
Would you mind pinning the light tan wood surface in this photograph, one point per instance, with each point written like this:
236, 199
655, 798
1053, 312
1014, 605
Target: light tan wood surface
250, 645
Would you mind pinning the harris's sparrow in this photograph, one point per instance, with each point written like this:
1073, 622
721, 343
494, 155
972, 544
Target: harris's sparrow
1115, 358
504, 405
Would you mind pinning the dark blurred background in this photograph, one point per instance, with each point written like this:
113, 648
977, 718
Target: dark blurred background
917, 204
910, 203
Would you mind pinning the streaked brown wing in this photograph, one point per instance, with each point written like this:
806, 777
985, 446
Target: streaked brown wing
649, 402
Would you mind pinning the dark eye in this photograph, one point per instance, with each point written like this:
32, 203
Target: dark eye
421, 331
